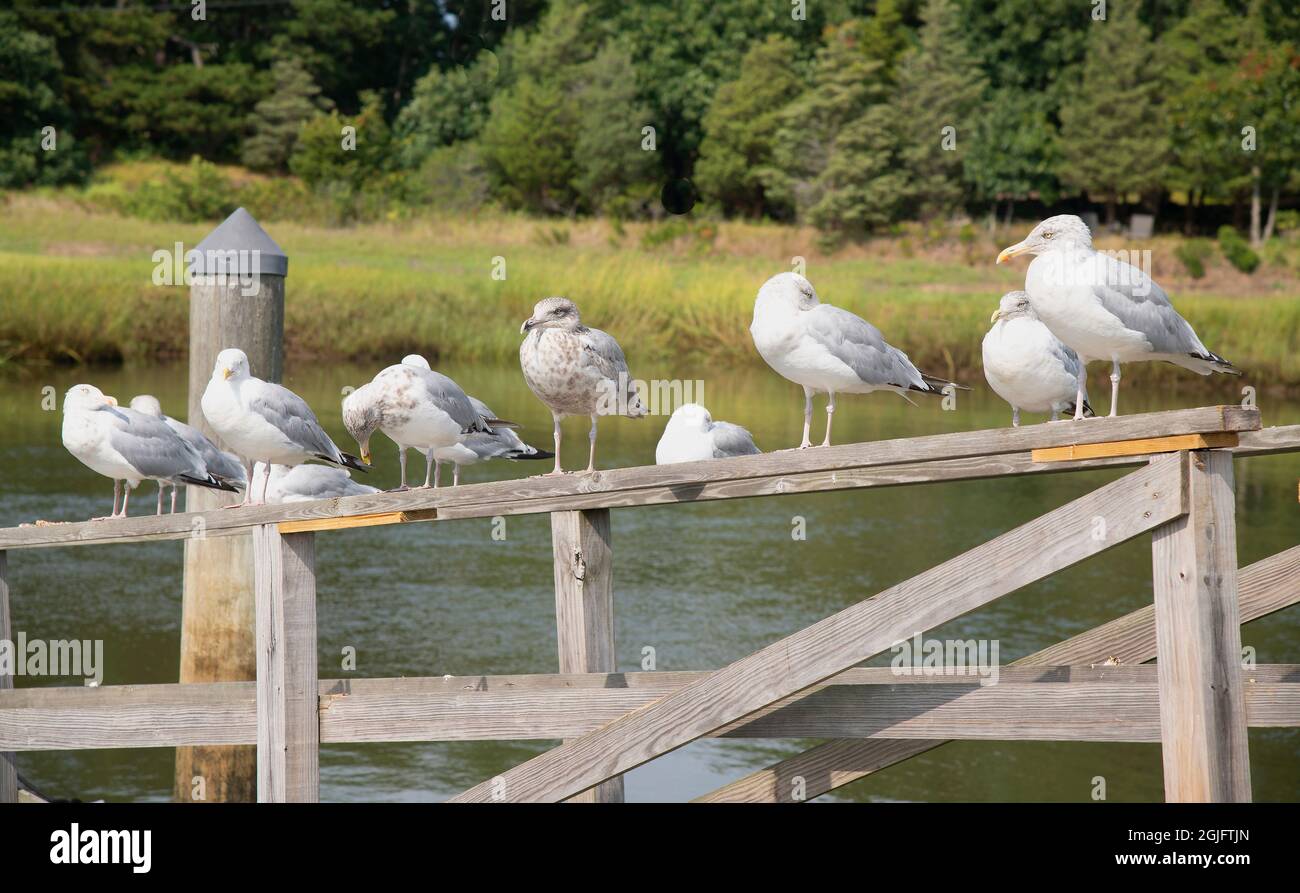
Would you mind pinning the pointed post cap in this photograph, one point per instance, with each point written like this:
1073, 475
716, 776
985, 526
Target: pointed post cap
238, 247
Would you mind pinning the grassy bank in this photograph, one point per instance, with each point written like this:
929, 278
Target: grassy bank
76, 284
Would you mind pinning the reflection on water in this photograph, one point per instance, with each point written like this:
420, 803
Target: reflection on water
701, 584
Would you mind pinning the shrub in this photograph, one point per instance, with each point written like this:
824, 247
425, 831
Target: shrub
1237, 250
1194, 253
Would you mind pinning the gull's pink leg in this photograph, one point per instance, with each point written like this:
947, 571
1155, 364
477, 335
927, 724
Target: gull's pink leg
591, 458
830, 417
558, 469
1114, 388
266, 482
807, 418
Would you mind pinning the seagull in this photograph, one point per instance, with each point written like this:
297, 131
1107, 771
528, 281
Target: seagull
1028, 366
265, 422
575, 370
128, 446
416, 407
221, 465
828, 350
303, 483
1103, 308
691, 434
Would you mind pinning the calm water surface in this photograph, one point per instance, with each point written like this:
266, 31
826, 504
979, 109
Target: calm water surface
701, 584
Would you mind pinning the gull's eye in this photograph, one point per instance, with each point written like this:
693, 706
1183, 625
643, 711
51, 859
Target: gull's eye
1047, 235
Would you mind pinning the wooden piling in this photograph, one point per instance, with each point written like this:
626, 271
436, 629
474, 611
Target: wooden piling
8, 771
217, 641
584, 609
1198, 640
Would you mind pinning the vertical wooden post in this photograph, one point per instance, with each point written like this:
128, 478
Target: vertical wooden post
217, 608
288, 713
1198, 639
584, 608
8, 771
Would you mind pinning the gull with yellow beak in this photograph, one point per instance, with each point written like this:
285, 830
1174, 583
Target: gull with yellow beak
265, 422
1104, 308
1026, 365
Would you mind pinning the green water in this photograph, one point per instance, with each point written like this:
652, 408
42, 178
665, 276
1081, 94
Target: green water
701, 584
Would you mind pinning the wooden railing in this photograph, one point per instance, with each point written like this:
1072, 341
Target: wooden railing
1196, 700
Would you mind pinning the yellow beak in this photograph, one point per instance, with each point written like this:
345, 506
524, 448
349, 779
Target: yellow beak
112, 401
997, 314
226, 373
365, 457
1010, 252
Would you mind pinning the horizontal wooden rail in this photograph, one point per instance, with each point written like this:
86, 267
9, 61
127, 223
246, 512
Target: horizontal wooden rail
1064, 703
964, 455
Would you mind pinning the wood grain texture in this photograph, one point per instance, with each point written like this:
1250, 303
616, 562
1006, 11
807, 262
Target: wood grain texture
1140, 447
8, 769
1264, 587
943, 457
288, 718
584, 608
1058, 539
1198, 641
347, 522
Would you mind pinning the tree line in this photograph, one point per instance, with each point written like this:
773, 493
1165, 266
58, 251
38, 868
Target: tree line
849, 116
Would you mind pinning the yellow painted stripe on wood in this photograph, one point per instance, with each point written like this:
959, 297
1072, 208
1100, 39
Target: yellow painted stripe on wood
346, 522
1138, 447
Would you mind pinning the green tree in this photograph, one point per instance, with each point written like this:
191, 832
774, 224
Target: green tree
447, 107
1012, 155
616, 174
1112, 137
741, 129
277, 119
340, 152
528, 147
30, 101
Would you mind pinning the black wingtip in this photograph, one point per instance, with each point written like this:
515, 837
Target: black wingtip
211, 482
1087, 410
537, 454
352, 461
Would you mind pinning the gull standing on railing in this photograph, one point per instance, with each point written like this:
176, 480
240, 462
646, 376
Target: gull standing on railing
1028, 366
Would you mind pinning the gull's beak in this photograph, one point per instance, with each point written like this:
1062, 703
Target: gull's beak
528, 324
112, 401
365, 457
1008, 253
997, 314
226, 373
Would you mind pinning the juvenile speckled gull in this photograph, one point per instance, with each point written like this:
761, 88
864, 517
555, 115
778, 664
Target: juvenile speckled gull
1104, 308
221, 465
692, 435
265, 422
828, 350
1026, 365
307, 482
501, 442
415, 407
128, 446
575, 370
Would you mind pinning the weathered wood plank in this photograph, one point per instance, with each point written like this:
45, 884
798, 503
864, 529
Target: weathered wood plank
8, 769
1266, 586
347, 522
1058, 539
955, 456
1198, 637
584, 608
1141, 447
288, 718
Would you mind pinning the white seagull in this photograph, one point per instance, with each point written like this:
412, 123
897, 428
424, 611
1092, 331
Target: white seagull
691, 435
221, 465
499, 443
417, 408
1028, 366
265, 422
1104, 308
303, 483
575, 370
128, 446
828, 350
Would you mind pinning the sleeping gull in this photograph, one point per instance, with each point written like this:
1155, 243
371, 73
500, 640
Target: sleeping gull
221, 465
691, 434
575, 370
499, 443
828, 350
414, 406
1103, 308
303, 483
265, 422
128, 446
1028, 366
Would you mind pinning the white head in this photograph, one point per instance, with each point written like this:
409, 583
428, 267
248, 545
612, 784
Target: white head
1063, 229
232, 363
86, 397
691, 417
414, 359
789, 290
553, 313
1014, 304
147, 404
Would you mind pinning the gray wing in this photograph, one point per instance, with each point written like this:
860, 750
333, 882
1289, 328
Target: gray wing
151, 446
451, 399
290, 413
1068, 359
603, 352
732, 440
1142, 305
219, 462
860, 346
306, 482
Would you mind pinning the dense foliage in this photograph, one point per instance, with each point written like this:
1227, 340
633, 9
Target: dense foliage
850, 115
